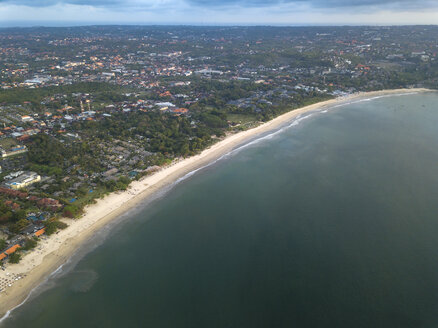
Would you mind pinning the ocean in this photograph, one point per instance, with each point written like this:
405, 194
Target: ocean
331, 222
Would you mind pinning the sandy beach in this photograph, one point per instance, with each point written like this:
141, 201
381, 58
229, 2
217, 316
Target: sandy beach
53, 251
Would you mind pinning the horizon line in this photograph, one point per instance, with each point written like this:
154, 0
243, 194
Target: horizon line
126, 24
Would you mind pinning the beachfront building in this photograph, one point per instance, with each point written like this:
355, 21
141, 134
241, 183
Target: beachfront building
9, 251
209, 72
13, 151
23, 180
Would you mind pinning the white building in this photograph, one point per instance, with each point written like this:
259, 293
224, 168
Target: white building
13, 151
24, 180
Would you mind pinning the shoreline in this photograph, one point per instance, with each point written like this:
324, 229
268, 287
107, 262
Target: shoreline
55, 250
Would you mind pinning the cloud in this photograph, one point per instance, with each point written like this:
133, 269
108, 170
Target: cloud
228, 3
47, 3
400, 4
209, 12
92, 3
110, 5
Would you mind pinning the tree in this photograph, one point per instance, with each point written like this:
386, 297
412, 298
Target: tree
51, 228
2, 244
15, 257
29, 244
20, 225
70, 211
19, 215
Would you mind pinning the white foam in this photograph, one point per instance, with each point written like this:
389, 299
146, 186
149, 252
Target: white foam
31, 293
295, 122
373, 98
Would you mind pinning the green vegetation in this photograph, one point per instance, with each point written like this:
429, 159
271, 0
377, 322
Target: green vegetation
71, 211
15, 257
53, 226
97, 122
35, 96
45, 169
8, 143
9, 215
19, 225
29, 244
241, 118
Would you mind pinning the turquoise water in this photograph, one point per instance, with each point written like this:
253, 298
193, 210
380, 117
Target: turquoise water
330, 223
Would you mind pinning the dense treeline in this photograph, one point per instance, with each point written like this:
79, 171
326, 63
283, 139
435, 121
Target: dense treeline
162, 133
47, 155
35, 96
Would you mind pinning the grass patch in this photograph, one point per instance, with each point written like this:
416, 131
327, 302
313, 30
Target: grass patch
241, 118
8, 143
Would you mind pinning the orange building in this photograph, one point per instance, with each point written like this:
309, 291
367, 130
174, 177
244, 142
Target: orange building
12, 249
40, 232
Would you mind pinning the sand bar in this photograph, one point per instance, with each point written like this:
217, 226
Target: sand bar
55, 250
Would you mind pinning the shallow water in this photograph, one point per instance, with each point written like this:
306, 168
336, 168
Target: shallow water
330, 223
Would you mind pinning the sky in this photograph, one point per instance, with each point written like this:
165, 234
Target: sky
217, 12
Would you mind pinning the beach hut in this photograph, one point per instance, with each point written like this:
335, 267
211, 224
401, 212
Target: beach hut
12, 249
40, 232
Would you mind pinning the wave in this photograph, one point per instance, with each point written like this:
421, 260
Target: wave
346, 103
33, 293
234, 151
50, 280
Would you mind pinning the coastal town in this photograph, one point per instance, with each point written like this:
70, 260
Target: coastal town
86, 111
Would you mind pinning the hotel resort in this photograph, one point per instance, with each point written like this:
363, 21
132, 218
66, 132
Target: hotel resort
13, 151
23, 180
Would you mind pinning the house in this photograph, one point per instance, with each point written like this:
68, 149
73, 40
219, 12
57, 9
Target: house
110, 172
208, 71
36, 218
26, 118
12, 205
164, 105
23, 180
50, 203
14, 193
12, 249
181, 111
40, 232
13, 151
30, 229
